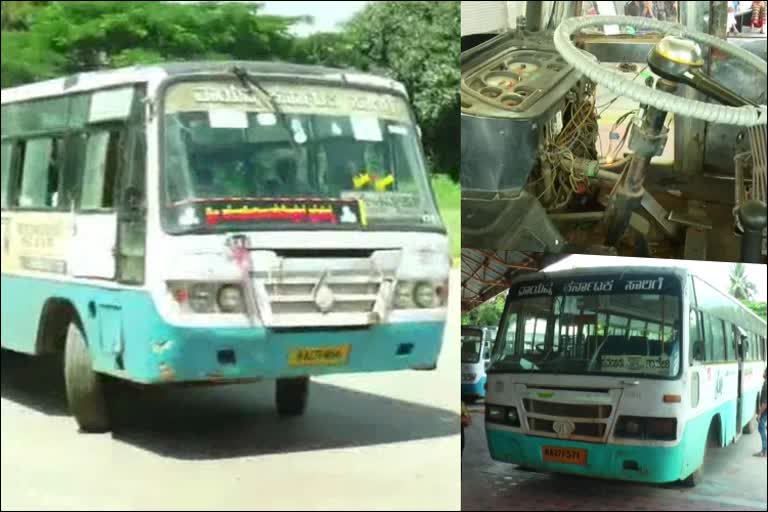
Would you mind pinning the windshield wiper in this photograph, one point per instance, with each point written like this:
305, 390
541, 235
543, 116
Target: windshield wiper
249, 82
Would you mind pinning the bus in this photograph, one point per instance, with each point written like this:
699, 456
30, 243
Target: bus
476, 345
628, 373
218, 222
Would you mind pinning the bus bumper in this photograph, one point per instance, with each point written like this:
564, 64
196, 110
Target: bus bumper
221, 355
475, 390
653, 464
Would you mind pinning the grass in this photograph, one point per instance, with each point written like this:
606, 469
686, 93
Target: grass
448, 194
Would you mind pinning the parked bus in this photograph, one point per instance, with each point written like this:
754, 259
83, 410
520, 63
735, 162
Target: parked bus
476, 343
629, 373
218, 222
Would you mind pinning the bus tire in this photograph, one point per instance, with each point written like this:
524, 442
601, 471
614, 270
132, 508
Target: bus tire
291, 396
85, 389
697, 477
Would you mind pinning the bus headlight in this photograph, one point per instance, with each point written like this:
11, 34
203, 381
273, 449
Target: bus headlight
404, 295
201, 298
494, 414
421, 294
425, 295
502, 415
231, 299
207, 298
637, 427
662, 428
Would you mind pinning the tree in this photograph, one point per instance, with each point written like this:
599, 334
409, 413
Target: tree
759, 308
15, 15
71, 37
419, 43
487, 314
334, 49
416, 43
741, 287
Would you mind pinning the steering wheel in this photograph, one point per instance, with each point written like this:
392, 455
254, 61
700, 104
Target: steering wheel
676, 57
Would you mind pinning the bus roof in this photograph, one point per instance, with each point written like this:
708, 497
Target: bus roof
676, 270
155, 72
587, 271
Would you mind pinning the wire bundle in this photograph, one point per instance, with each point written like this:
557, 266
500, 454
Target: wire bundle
562, 177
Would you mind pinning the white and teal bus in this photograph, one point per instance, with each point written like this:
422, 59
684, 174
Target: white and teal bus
218, 222
625, 373
476, 343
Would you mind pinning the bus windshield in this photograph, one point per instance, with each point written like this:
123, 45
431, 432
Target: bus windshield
471, 341
592, 326
303, 156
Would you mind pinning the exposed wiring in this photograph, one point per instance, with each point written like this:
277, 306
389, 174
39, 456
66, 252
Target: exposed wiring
562, 150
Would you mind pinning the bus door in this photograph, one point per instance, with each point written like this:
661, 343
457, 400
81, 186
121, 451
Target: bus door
110, 154
485, 355
742, 346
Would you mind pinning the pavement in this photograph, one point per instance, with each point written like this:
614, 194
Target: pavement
734, 480
385, 441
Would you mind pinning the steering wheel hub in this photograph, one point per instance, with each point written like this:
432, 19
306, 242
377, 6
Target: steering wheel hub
677, 56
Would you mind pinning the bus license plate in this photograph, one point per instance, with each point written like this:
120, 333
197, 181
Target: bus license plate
564, 455
336, 355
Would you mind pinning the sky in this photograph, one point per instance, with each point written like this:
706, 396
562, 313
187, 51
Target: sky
327, 15
715, 273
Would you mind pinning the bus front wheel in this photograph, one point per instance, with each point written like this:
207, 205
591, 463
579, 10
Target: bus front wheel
84, 386
291, 396
697, 477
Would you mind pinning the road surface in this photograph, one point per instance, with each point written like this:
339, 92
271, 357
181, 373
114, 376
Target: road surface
377, 441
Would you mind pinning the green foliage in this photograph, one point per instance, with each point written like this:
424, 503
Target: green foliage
330, 49
27, 58
448, 196
741, 287
112, 34
759, 308
419, 43
488, 313
416, 43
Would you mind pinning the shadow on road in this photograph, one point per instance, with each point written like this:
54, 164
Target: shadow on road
202, 423
35, 382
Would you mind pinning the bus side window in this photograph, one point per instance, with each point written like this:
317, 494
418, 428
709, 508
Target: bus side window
102, 167
753, 347
40, 174
718, 340
730, 342
696, 350
5, 160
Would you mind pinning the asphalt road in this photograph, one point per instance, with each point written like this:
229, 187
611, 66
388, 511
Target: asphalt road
733, 480
375, 441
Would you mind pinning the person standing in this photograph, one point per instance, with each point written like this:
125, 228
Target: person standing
466, 420
761, 420
758, 17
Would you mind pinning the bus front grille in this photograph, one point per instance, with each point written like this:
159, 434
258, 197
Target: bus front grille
571, 410
290, 300
594, 431
590, 421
